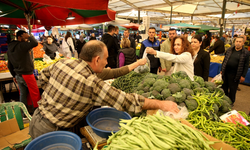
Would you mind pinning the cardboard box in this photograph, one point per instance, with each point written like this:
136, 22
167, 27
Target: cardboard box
10, 134
217, 146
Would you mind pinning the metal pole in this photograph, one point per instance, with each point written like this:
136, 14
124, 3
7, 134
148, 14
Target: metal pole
171, 14
139, 16
28, 17
223, 17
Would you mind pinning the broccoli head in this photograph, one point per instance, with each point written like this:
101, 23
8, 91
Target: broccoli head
140, 92
140, 87
199, 80
220, 92
158, 88
188, 92
195, 85
179, 97
156, 94
151, 75
185, 83
174, 80
226, 98
165, 93
146, 94
210, 85
198, 90
143, 69
174, 88
170, 98
225, 107
146, 89
215, 108
182, 104
151, 88
160, 77
148, 81
182, 74
191, 104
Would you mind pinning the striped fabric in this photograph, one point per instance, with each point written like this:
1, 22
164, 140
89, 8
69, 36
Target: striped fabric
71, 89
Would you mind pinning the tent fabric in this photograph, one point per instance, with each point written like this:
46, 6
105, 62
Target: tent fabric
183, 25
206, 28
131, 26
49, 15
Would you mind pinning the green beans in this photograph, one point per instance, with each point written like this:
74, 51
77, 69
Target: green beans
156, 133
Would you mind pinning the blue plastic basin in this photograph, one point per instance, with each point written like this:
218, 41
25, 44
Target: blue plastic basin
63, 140
105, 120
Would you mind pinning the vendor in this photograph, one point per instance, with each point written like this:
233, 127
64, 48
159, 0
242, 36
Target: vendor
50, 48
72, 88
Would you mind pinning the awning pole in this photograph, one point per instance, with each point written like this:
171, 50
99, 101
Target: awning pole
222, 22
171, 14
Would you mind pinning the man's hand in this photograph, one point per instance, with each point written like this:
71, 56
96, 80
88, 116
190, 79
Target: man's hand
150, 50
169, 106
164, 70
242, 79
142, 61
160, 69
14, 79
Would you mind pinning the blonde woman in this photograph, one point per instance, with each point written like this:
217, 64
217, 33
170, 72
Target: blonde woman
126, 55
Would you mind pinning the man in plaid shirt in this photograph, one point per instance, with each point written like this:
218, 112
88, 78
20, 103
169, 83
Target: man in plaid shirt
72, 88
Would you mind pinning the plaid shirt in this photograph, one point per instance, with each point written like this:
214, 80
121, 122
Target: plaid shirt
71, 89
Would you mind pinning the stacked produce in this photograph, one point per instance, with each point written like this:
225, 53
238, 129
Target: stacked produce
37, 51
3, 66
155, 133
204, 100
216, 58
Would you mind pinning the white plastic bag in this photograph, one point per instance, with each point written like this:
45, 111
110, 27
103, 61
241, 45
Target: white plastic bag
183, 113
57, 55
217, 79
46, 59
143, 68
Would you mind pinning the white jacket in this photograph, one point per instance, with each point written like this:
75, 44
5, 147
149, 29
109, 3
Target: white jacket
65, 46
183, 62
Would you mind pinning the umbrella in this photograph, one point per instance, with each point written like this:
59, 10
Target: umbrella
132, 26
183, 25
54, 12
207, 28
76, 27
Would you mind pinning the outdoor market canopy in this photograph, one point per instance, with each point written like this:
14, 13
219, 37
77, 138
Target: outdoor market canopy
183, 25
207, 28
55, 12
131, 26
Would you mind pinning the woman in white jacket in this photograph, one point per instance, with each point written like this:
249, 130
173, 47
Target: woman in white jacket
181, 54
68, 41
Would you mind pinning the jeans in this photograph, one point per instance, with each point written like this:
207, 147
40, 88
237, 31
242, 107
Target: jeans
23, 89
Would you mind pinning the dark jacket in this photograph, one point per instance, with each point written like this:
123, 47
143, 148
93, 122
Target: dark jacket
154, 62
218, 47
50, 49
243, 63
112, 50
205, 43
19, 59
138, 37
92, 38
129, 54
132, 42
202, 64
79, 45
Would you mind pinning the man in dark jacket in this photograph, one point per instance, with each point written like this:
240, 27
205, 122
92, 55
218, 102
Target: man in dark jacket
109, 41
50, 48
21, 67
234, 68
155, 44
132, 40
205, 42
218, 47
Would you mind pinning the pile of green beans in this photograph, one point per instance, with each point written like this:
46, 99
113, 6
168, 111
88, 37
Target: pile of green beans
128, 82
236, 135
157, 133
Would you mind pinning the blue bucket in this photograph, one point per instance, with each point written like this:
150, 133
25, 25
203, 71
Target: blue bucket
103, 121
63, 140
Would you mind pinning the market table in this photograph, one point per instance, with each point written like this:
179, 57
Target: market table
4, 77
215, 69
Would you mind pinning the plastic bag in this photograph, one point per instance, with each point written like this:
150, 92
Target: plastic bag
217, 79
57, 55
144, 68
46, 59
183, 113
